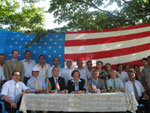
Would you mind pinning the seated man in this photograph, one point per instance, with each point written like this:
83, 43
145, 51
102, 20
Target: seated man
57, 82
36, 83
96, 82
114, 84
76, 85
136, 87
12, 91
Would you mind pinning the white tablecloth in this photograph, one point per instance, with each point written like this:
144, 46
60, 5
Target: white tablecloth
103, 102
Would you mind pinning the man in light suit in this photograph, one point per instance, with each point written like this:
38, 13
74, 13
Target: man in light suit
96, 82
12, 65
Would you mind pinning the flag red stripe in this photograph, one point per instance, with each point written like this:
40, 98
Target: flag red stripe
111, 29
106, 40
107, 54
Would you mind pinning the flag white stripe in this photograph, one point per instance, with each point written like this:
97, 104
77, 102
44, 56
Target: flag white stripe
80, 36
121, 59
106, 47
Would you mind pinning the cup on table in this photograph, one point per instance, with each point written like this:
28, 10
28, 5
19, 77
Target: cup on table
98, 91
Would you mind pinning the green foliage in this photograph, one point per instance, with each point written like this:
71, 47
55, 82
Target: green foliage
79, 16
28, 19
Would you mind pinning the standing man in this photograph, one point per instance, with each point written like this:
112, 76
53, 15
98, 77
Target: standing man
36, 83
55, 64
115, 83
12, 65
2, 60
2, 78
146, 75
81, 69
11, 92
89, 69
66, 72
43, 67
28, 66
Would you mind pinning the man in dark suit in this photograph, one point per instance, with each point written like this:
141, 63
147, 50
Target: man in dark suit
96, 82
76, 85
58, 83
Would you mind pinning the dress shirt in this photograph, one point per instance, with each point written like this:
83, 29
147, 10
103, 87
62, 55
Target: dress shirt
129, 87
76, 85
123, 76
43, 71
55, 78
66, 74
40, 81
50, 71
1, 75
118, 83
28, 66
88, 73
2, 67
9, 88
82, 73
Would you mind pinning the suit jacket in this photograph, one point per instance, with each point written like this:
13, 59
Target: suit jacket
9, 68
100, 84
61, 82
71, 85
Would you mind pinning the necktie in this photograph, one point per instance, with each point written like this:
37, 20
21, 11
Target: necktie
14, 64
16, 93
57, 85
114, 83
36, 84
135, 92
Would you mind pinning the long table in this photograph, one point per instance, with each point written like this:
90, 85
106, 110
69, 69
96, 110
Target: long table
103, 102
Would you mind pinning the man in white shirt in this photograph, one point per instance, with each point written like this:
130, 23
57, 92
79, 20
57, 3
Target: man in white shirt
2, 60
11, 92
82, 70
28, 66
43, 67
89, 69
66, 72
2, 78
136, 87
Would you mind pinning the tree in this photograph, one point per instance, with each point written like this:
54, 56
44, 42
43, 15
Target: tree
78, 14
28, 19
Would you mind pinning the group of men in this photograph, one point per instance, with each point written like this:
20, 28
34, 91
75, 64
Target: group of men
35, 76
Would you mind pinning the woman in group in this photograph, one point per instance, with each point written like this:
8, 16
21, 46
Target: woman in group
108, 67
76, 85
102, 72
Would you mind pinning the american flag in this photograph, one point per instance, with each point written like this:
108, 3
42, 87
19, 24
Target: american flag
126, 45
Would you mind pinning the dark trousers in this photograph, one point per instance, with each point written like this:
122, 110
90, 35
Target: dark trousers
26, 80
9, 109
146, 103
